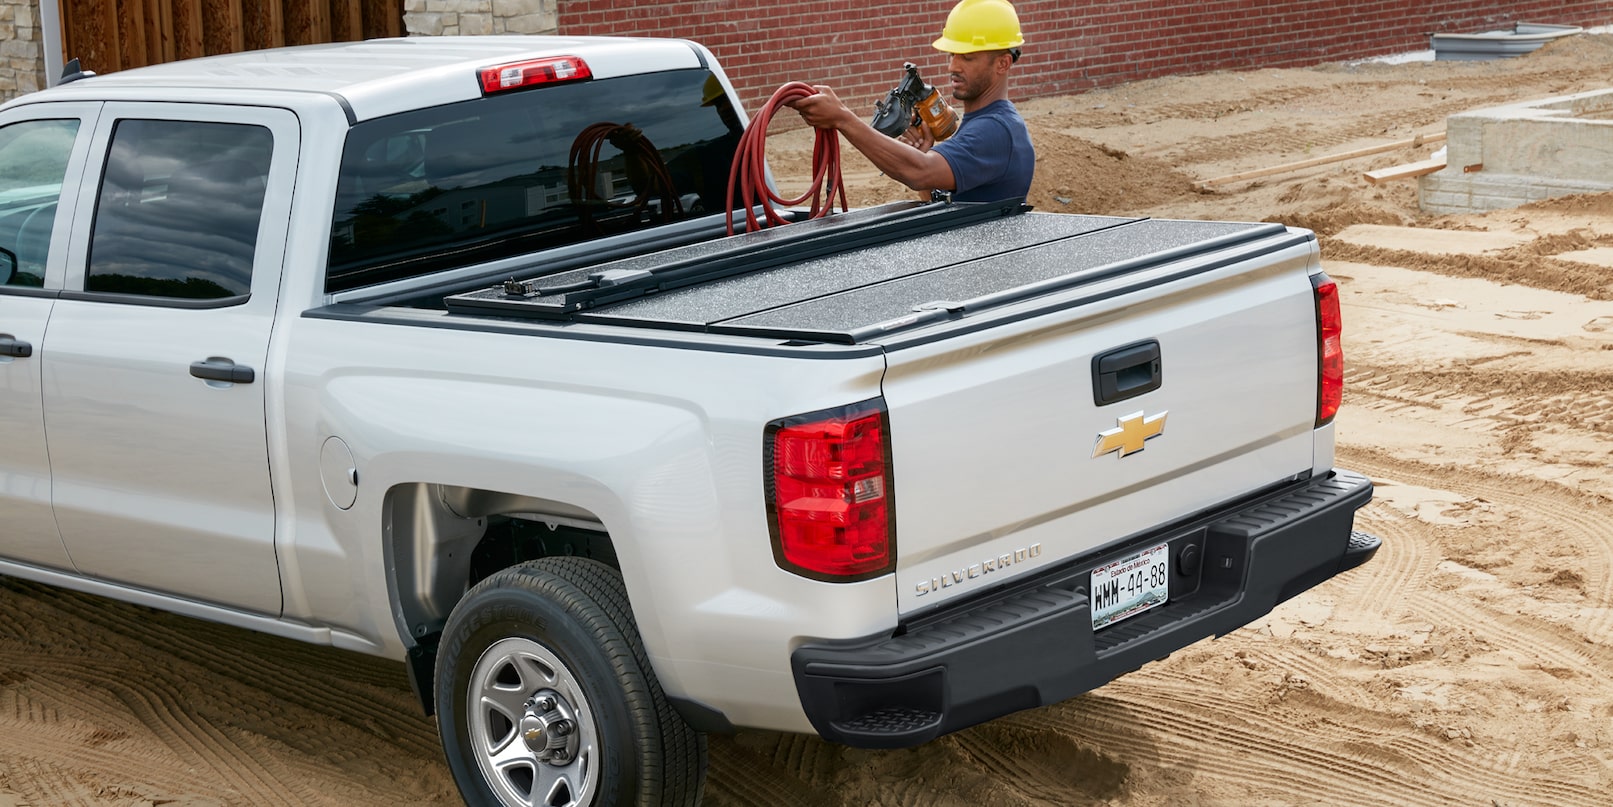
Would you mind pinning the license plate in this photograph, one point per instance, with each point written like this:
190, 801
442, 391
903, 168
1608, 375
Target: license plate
1130, 586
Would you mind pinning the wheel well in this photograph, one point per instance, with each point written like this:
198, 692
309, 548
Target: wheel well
510, 540
444, 539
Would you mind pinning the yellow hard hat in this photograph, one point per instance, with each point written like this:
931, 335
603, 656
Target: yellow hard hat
976, 25
712, 92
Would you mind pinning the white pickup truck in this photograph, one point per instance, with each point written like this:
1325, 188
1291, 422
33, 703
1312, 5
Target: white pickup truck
437, 349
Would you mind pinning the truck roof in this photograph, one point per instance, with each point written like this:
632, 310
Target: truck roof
379, 77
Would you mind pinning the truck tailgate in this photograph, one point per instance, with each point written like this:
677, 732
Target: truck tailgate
1005, 460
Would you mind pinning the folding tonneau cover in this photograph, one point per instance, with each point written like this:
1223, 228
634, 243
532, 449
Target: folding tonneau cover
851, 277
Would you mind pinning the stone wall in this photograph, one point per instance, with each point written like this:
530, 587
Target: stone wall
22, 57
478, 17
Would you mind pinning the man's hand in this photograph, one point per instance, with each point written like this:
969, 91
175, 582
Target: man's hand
824, 110
909, 162
919, 137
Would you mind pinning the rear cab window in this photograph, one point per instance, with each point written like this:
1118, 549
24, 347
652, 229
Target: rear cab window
514, 173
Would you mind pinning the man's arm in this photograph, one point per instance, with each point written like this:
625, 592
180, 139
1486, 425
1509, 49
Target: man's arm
919, 170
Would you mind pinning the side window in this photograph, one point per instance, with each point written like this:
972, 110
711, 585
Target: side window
179, 208
33, 161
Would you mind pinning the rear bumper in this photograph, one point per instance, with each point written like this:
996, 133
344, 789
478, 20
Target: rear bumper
1033, 644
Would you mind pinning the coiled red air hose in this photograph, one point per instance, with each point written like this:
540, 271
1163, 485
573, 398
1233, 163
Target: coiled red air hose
646, 173
749, 173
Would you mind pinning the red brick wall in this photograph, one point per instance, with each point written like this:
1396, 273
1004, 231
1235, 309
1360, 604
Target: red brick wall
858, 46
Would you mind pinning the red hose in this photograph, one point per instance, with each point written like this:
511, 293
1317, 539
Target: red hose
646, 173
749, 173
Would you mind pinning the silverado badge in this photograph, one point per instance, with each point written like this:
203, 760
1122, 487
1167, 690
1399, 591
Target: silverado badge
1129, 436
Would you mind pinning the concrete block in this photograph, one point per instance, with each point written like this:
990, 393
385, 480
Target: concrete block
1529, 151
1446, 201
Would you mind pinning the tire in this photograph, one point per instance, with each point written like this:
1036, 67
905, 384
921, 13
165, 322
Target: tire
545, 696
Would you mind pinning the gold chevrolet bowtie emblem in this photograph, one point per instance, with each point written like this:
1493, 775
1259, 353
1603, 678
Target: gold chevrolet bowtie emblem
1129, 436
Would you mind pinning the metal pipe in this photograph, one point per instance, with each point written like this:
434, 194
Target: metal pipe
50, 30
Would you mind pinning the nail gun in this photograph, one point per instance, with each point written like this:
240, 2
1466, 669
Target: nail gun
912, 102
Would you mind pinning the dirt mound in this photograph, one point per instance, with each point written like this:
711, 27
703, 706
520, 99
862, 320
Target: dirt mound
1591, 50
1590, 204
1329, 221
1078, 176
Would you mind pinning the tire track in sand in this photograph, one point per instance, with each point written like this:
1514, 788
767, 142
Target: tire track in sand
1404, 563
157, 707
190, 711
1361, 758
315, 683
51, 735
1393, 750
50, 784
1041, 766
756, 768
1159, 729
1585, 519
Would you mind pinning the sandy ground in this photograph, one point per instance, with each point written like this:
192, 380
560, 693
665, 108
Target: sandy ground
1470, 663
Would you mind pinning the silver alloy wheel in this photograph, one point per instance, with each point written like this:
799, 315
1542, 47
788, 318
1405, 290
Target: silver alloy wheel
531, 728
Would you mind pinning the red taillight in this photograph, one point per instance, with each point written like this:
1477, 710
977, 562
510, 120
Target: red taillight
515, 75
829, 494
1329, 349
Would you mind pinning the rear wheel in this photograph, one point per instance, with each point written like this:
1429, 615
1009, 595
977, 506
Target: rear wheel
546, 696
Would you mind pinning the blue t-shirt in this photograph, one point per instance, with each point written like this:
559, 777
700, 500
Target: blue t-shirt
990, 155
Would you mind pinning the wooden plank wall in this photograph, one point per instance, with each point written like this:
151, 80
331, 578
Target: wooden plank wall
110, 35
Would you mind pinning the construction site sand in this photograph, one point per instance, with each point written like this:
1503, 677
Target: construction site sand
1471, 662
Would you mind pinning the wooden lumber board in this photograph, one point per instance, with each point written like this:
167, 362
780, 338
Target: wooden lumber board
1331, 158
1406, 171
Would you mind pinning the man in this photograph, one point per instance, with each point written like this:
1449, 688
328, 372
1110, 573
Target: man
705, 167
990, 157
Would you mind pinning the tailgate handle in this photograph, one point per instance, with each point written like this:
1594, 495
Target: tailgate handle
1126, 372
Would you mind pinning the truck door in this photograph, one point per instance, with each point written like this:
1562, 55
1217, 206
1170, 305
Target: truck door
153, 366
42, 151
